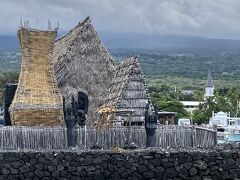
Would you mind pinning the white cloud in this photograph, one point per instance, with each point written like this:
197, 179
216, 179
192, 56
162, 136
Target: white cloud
211, 18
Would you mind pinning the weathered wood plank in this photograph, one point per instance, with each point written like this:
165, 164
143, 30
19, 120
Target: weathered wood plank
108, 138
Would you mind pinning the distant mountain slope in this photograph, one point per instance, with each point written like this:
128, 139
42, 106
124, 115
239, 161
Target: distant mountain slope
9, 43
115, 40
132, 40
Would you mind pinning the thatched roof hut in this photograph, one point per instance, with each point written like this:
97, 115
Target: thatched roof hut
82, 63
128, 91
37, 100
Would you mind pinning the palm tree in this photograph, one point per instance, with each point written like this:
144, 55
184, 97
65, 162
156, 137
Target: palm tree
222, 103
234, 99
204, 111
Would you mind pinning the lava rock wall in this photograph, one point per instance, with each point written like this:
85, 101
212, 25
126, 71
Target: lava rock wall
138, 164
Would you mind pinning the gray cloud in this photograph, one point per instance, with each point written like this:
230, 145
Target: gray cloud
209, 18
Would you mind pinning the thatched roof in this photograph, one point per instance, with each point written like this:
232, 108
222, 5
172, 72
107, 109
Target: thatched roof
120, 80
128, 90
82, 63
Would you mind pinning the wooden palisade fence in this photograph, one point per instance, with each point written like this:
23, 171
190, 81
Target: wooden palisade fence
13, 138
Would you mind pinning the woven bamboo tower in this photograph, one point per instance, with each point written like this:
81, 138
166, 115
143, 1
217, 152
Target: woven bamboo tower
37, 100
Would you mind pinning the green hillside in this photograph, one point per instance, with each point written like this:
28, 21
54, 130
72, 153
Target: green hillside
183, 68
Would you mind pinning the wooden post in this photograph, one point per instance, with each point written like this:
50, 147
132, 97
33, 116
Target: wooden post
85, 137
129, 128
194, 138
215, 135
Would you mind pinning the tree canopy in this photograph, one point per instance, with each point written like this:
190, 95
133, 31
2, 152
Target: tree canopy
225, 99
7, 77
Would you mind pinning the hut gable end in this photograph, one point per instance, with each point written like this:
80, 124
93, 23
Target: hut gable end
129, 91
82, 63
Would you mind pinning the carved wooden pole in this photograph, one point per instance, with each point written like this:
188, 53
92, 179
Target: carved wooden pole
150, 126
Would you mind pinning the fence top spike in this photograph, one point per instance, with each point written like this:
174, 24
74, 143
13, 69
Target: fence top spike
49, 25
56, 29
21, 24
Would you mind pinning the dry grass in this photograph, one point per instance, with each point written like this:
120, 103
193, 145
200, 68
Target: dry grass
82, 63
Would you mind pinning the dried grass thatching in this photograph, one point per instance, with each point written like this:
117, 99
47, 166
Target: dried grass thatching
82, 63
37, 100
107, 114
128, 91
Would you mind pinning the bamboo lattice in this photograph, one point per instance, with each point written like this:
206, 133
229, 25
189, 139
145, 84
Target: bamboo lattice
37, 100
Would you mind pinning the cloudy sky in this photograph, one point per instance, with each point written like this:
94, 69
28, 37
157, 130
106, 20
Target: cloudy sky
207, 18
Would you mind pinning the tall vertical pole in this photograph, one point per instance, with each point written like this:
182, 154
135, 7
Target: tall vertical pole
85, 138
129, 127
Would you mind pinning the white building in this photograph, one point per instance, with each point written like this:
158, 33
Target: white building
219, 119
190, 105
209, 89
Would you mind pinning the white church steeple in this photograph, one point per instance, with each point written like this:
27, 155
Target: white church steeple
209, 89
